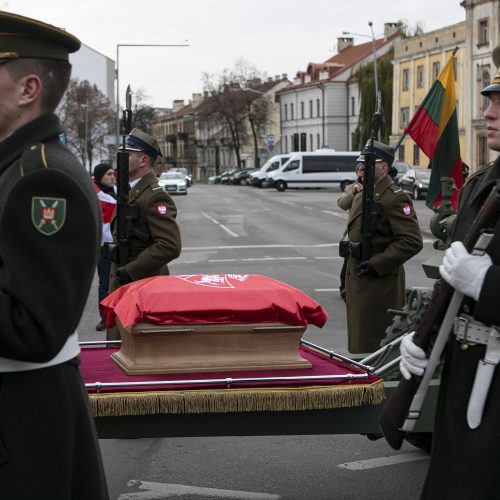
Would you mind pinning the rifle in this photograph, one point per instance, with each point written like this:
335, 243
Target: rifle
370, 208
396, 418
125, 213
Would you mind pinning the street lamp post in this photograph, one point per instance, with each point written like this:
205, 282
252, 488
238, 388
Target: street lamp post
374, 51
118, 73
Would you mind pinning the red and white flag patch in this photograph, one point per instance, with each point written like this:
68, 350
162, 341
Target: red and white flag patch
161, 208
406, 209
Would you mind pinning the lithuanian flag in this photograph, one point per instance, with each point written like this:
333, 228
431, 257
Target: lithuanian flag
434, 128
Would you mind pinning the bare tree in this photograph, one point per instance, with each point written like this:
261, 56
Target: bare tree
87, 117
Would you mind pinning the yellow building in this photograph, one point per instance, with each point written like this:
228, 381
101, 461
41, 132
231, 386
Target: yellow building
417, 63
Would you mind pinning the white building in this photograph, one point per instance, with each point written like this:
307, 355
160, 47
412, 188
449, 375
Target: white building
321, 107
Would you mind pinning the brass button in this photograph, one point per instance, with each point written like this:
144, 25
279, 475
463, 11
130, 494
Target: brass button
464, 346
466, 308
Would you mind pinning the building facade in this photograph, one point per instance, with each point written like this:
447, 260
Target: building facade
417, 63
321, 107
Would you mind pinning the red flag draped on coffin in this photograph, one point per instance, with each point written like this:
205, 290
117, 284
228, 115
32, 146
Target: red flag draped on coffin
211, 298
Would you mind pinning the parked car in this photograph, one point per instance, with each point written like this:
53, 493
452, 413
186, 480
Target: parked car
173, 182
416, 182
227, 177
184, 171
241, 177
402, 167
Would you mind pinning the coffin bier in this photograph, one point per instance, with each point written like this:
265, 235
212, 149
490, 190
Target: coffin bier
150, 348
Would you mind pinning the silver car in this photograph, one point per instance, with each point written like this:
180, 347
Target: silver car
173, 182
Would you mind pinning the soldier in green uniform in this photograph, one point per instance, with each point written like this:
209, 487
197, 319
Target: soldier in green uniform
155, 239
50, 229
378, 284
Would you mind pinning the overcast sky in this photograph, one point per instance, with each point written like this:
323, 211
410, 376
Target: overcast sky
276, 36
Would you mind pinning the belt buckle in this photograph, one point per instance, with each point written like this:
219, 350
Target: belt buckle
464, 342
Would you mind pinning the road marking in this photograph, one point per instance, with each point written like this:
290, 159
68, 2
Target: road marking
336, 214
334, 257
308, 208
372, 463
163, 490
237, 247
222, 226
327, 289
214, 260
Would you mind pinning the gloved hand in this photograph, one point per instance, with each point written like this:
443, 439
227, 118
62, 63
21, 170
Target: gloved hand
413, 358
123, 277
463, 271
366, 269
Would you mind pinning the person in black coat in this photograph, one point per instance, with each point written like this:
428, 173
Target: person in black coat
50, 232
466, 440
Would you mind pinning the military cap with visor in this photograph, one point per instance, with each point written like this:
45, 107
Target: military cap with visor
495, 84
382, 152
138, 140
23, 37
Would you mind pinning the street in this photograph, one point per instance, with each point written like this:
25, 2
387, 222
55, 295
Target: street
292, 237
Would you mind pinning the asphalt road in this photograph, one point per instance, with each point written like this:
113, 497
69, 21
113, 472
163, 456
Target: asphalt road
293, 237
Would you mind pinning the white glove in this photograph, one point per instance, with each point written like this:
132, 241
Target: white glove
413, 359
463, 271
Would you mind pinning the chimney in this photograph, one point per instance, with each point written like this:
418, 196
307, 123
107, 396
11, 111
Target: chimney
284, 76
197, 100
344, 42
390, 29
269, 78
177, 104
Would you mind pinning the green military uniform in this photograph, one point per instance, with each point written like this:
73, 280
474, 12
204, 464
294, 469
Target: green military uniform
397, 239
155, 238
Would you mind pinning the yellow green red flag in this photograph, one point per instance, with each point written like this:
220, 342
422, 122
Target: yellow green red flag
434, 128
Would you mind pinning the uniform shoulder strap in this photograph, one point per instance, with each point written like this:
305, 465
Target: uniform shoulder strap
478, 173
33, 158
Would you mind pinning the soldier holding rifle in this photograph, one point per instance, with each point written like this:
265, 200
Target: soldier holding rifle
375, 279
466, 442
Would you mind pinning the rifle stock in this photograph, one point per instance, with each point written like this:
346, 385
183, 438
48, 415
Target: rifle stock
396, 410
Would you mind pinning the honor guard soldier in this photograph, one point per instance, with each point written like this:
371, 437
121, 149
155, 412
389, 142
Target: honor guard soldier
154, 237
50, 231
466, 440
378, 284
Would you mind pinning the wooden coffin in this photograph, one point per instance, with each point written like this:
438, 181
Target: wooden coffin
148, 348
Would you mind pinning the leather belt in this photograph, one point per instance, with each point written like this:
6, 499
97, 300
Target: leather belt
467, 329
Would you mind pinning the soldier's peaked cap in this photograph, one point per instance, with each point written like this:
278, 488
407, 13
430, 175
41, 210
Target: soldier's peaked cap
138, 140
22, 37
495, 84
382, 151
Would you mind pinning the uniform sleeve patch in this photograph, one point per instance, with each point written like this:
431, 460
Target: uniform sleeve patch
161, 209
406, 209
48, 214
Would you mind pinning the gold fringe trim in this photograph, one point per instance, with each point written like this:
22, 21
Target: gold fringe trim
236, 400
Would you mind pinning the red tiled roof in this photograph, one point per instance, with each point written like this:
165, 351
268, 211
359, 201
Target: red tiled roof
338, 63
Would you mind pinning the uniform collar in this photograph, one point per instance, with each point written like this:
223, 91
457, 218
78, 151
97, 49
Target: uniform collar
41, 129
144, 182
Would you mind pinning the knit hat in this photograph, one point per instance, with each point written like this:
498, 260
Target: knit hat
100, 170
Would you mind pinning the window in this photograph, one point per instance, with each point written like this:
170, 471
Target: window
302, 109
481, 150
315, 164
293, 165
295, 142
353, 106
303, 139
286, 112
435, 70
455, 68
406, 79
485, 81
401, 152
310, 109
405, 117
318, 141
416, 155
420, 76
318, 113
291, 111
482, 33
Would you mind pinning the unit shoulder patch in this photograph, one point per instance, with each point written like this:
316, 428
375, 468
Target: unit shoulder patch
161, 209
48, 214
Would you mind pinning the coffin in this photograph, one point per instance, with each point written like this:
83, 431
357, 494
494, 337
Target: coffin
147, 348
200, 323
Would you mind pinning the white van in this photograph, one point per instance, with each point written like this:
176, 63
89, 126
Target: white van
259, 177
316, 170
